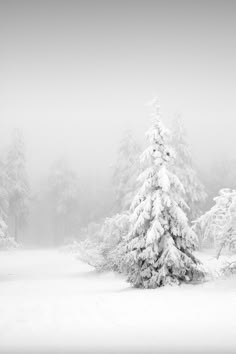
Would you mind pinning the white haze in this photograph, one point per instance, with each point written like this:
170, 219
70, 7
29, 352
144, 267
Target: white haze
76, 75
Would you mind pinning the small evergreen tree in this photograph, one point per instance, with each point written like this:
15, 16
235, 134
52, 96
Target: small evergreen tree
195, 193
160, 242
218, 225
18, 186
126, 171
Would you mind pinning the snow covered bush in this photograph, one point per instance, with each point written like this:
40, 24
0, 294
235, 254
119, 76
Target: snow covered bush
218, 225
195, 193
101, 248
160, 242
91, 232
114, 230
115, 258
90, 253
6, 242
3, 228
229, 268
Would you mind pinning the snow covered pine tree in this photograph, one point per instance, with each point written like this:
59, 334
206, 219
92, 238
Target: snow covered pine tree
160, 242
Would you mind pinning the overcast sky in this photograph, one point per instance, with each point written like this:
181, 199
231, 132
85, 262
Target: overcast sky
75, 74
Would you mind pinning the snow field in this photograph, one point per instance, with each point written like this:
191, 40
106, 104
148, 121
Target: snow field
50, 302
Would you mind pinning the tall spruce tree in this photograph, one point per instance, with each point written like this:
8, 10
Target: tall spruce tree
160, 242
195, 193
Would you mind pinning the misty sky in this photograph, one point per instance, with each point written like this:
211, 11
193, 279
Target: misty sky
75, 74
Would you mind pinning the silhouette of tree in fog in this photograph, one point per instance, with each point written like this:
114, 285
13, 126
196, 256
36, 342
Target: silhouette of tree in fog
126, 171
18, 185
64, 198
194, 191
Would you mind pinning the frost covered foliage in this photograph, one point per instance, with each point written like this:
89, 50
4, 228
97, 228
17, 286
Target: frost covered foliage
91, 232
4, 190
3, 228
18, 186
6, 242
102, 249
219, 224
160, 243
195, 194
114, 230
126, 171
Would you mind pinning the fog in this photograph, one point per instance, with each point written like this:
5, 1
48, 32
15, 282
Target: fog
75, 75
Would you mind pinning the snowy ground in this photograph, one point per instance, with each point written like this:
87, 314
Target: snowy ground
50, 302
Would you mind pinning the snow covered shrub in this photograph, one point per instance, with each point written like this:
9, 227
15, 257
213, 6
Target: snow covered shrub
3, 228
87, 248
91, 232
115, 258
115, 229
6, 242
160, 242
195, 194
219, 223
70, 247
229, 268
101, 248
90, 253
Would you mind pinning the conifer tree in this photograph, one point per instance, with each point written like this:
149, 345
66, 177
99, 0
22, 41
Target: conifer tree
126, 171
195, 193
18, 186
160, 242
4, 190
